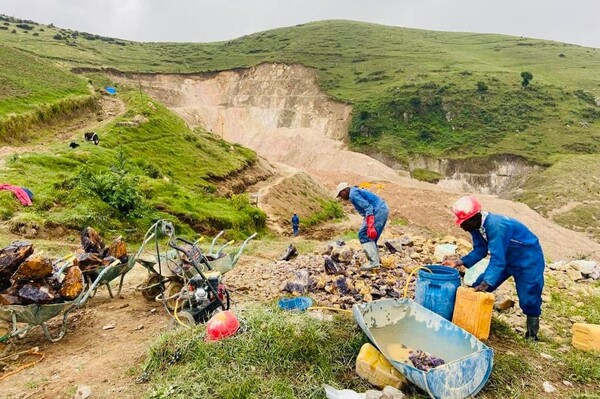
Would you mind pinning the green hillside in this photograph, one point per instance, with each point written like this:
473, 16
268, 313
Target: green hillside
136, 175
568, 192
414, 91
33, 92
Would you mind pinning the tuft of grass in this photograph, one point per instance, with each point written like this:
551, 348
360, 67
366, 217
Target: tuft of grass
502, 380
277, 355
426, 175
582, 367
330, 209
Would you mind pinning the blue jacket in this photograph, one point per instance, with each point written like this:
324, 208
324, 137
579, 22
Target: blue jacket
514, 250
365, 202
295, 220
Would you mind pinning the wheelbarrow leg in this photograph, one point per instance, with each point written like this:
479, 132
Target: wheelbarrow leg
61, 334
121, 284
109, 290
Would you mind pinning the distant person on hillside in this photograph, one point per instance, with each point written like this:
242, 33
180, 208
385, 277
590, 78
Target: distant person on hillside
375, 212
515, 251
295, 224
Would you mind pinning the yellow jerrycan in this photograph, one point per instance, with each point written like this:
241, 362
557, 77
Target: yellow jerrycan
372, 366
473, 311
586, 336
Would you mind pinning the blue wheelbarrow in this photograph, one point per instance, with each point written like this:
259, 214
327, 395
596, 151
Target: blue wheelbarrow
397, 326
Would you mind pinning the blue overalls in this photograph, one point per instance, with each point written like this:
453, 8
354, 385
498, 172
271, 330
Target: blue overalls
295, 224
366, 203
515, 251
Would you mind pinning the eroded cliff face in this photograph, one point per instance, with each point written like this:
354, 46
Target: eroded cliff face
490, 175
277, 110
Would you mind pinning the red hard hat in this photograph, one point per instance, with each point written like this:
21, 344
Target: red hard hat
464, 208
221, 325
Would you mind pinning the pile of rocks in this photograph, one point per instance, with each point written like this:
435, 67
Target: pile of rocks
577, 270
332, 276
94, 254
26, 278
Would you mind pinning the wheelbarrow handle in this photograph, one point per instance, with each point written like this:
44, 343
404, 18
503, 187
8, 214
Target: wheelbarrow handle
223, 247
212, 244
239, 253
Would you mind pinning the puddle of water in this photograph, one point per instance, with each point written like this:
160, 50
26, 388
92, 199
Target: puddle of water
397, 340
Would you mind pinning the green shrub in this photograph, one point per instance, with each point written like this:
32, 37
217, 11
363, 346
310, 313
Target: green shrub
426, 175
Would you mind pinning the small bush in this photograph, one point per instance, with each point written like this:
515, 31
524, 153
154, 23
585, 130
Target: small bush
115, 186
426, 175
482, 87
24, 26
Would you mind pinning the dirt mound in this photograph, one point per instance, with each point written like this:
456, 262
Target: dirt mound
289, 191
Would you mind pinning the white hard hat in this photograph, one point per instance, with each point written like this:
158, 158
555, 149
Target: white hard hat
341, 187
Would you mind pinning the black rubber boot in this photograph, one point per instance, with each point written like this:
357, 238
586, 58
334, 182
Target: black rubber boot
533, 327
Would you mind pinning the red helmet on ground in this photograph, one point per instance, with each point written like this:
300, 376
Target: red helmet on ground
221, 325
465, 207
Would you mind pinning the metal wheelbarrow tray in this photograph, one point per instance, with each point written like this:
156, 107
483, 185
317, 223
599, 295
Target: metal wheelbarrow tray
397, 325
35, 315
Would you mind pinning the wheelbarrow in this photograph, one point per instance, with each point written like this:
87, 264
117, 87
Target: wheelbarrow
103, 275
222, 262
35, 315
179, 267
395, 326
180, 260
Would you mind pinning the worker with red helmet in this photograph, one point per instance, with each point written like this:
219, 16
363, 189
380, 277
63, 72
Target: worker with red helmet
515, 251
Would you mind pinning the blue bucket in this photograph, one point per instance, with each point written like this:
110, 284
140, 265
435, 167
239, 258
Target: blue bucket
300, 303
436, 291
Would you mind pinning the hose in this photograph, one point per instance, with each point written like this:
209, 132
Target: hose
177, 316
410, 276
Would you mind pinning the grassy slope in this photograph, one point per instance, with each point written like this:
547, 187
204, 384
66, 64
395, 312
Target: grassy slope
28, 82
133, 177
33, 91
572, 184
386, 72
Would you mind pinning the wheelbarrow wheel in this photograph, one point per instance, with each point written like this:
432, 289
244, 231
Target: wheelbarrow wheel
173, 289
150, 287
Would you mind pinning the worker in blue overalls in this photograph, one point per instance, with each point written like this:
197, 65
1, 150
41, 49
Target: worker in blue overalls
375, 212
295, 224
515, 251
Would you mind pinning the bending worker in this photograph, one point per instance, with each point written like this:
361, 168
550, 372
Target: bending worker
515, 251
375, 213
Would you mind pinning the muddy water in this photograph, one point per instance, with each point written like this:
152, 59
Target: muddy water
396, 340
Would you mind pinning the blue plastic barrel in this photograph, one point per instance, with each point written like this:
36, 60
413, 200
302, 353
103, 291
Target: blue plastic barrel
436, 291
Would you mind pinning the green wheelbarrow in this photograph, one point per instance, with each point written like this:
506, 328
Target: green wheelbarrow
35, 315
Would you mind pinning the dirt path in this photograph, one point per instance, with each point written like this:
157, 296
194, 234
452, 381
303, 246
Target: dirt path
111, 107
104, 360
261, 191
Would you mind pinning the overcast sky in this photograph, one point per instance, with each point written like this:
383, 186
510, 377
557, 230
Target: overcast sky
571, 21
